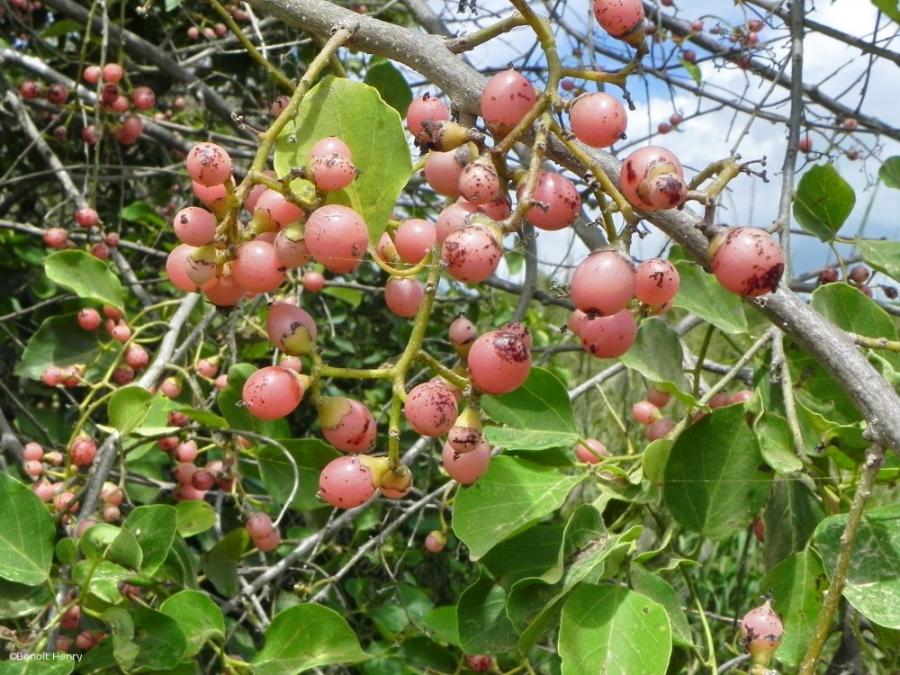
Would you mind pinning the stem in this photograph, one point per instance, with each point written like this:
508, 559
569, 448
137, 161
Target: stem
874, 458
479, 37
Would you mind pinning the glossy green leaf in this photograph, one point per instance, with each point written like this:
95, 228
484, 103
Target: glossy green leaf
356, 113
797, 586
884, 256
198, 616
652, 585
205, 417
891, 8
481, 618
611, 630
311, 456
221, 562
889, 173
441, 622
873, 585
700, 294
26, 537
154, 528
128, 408
37, 667
18, 600
58, 342
114, 544
790, 517
193, 517
776, 443
528, 554
391, 84
824, 201
143, 213
656, 354
85, 275
103, 579
154, 643
304, 637
515, 493
713, 484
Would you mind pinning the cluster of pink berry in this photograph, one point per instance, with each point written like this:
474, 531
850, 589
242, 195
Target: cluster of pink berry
218, 30
263, 533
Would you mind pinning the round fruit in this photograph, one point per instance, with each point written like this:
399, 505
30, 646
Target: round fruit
442, 171
659, 429
331, 145
86, 217
331, 172
499, 362
591, 451
557, 202
657, 397
656, 281
467, 467
195, 226
747, 261
143, 98
471, 254
602, 284
414, 239
435, 541
290, 247
598, 120
645, 412
83, 451
505, 101
291, 329
272, 392
608, 337
89, 318
256, 267
423, 115
346, 482
348, 425
208, 164
462, 333
430, 409
453, 218
337, 236
175, 268
313, 282
761, 631
113, 73
619, 18
404, 296
223, 292
652, 178
479, 182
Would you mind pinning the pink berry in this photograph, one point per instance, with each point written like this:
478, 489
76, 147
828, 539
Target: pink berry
100, 251
608, 337
496, 209
184, 472
44, 490
137, 357
91, 74
467, 467
291, 329
195, 226
290, 247
120, 332
208, 164
89, 318
170, 388
338, 237
657, 397
86, 217
268, 542
272, 393
471, 254
331, 172
346, 482
805, 144
112, 494
123, 375
83, 451
175, 268
64, 502
291, 363
33, 468
223, 291
499, 362
57, 93
33, 452
598, 120
656, 281
348, 425
652, 178
259, 525
29, 90
207, 368
453, 218
747, 261
221, 382
430, 409
557, 202
462, 333
52, 376
256, 267
576, 322
591, 451
143, 98
313, 282
202, 480
442, 171
186, 452
331, 145
619, 18
603, 283
645, 412
761, 631
658, 429
741, 396
479, 182
435, 541
423, 114
414, 239
404, 296
113, 73
211, 196
56, 237
505, 101
71, 619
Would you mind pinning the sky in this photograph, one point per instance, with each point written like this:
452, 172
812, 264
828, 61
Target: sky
712, 135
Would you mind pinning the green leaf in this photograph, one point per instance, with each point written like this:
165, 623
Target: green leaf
700, 294
311, 456
205, 417
198, 616
157, 643
114, 544
694, 71
481, 618
614, 631
515, 493
103, 578
304, 637
797, 585
62, 27
873, 585
713, 484
154, 528
852, 310
656, 354
776, 443
193, 517
236, 414
536, 416
143, 213
85, 275
220, 563
18, 600
891, 8
58, 342
824, 201
790, 517
128, 408
528, 554
37, 667
356, 113
884, 256
351, 296
391, 84
26, 538
653, 586
441, 622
